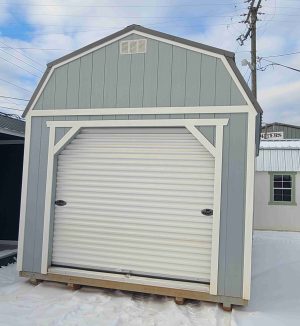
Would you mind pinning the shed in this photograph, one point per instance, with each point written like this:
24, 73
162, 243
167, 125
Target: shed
12, 130
278, 130
277, 185
139, 169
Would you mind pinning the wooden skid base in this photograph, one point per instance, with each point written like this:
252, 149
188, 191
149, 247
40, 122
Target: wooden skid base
74, 282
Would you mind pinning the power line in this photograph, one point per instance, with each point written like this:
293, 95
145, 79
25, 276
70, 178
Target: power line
20, 60
8, 108
12, 63
281, 55
6, 81
21, 53
272, 63
14, 98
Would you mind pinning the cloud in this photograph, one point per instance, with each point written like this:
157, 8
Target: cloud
69, 27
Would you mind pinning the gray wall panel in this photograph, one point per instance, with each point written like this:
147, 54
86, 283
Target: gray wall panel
98, 75
223, 80
73, 84
61, 81
178, 77
137, 80
49, 94
151, 73
193, 79
111, 75
32, 195
208, 80
85, 81
164, 74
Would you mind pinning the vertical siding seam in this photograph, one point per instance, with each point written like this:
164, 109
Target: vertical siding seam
67, 106
79, 81
129, 88
117, 77
230, 91
215, 97
157, 71
171, 82
185, 52
91, 80
103, 89
200, 83
143, 90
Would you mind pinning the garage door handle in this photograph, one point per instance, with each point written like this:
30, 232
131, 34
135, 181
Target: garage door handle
207, 212
60, 203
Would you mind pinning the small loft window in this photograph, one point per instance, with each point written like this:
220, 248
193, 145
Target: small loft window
133, 46
282, 190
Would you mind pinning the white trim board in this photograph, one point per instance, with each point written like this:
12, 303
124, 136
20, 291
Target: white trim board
180, 285
138, 123
249, 202
142, 111
24, 194
190, 124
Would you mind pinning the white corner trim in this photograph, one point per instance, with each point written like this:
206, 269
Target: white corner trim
71, 133
217, 212
138, 123
198, 135
24, 194
143, 111
249, 206
238, 84
48, 202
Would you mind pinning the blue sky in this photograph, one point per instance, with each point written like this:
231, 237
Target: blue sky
34, 32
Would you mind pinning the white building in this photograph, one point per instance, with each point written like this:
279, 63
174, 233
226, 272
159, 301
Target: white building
277, 186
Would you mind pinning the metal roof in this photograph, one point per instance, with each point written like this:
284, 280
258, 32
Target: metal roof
11, 126
227, 54
279, 155
280, 124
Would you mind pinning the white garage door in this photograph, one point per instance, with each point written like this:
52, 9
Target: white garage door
133, 203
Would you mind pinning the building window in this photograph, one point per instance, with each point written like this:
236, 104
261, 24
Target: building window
282, 188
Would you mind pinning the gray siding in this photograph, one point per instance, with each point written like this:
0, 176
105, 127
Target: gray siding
232, 203
165, 75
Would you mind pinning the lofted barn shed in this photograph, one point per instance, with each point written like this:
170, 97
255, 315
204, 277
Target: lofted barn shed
139, 169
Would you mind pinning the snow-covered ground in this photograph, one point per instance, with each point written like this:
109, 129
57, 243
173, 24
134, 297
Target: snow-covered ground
7, 252
275, 297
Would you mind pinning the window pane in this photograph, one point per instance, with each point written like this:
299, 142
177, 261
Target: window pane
287, 192
287, 198
277, 177
277, 184
278, 192
277, 198
287, 184
287, 178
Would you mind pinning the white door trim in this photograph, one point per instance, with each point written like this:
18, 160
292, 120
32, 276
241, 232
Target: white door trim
187, 123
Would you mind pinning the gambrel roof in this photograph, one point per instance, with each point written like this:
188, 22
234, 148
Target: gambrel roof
229, 56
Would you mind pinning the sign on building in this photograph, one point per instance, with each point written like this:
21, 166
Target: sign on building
272, 135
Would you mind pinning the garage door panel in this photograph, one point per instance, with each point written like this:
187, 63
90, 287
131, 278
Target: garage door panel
134, 199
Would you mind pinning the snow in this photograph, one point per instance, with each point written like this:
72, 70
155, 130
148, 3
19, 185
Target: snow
275, 297
7, 252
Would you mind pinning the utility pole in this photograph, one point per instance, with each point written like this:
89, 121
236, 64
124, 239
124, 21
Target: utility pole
251, 20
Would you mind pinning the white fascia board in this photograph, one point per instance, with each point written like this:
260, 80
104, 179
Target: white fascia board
139, 123
145, 111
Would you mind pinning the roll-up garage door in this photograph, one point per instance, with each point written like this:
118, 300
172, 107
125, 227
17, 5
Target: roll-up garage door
134, 200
